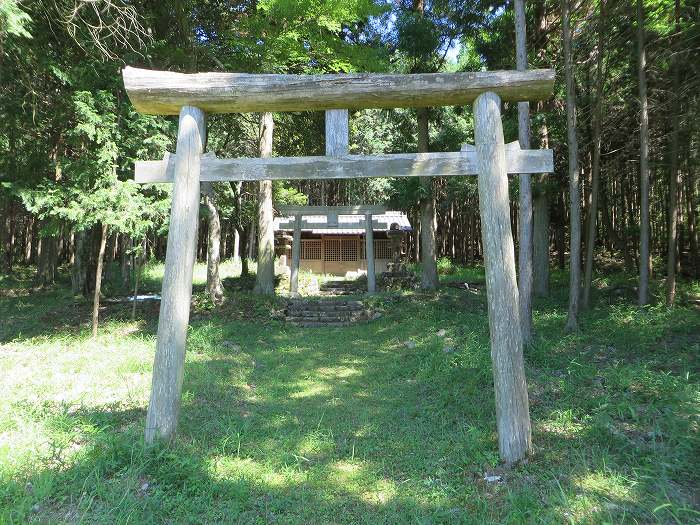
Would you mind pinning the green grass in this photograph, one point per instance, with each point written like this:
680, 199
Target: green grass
347, 425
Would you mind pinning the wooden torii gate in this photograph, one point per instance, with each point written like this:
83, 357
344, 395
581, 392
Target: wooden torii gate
193, 95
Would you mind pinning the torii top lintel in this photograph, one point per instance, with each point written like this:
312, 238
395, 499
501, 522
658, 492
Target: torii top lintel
166, 92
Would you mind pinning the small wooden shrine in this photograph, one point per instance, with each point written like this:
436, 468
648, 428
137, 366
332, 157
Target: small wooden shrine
334, 238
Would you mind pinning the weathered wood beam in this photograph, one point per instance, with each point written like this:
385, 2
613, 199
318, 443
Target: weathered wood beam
165, 92
346, 167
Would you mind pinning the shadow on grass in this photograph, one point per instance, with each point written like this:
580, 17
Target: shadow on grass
303, 433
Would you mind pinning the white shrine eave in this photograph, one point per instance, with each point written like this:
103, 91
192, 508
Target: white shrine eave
346, 224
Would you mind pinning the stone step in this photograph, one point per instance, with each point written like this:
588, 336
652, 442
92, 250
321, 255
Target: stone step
306, 312
322, 320
326, 308
328, 315
317, 324
324, 313
325, 305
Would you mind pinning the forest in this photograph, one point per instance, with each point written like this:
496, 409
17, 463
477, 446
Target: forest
606, 249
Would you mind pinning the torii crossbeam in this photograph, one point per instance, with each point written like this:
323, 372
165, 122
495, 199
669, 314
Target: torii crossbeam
191, 95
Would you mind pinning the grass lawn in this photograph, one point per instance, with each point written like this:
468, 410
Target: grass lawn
385, 422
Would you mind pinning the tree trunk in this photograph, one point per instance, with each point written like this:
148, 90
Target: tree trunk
46, 269
9, 231
595, 171
691, 204
265, 278
429, 275
79, 271
525, 209
236, 245
540, 227
674, 175
126, 262
98, 280
644, 267
245, 246
214, 287
574, 187
139, 262
29, 240
512, 407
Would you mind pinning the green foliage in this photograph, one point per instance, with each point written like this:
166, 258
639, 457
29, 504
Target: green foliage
287, 196
88, 190
13, 20
419, 38
445, 266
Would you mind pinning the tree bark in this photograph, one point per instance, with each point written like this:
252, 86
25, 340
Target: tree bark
98, 280
78, 271
512, 407
525, 210
644, 267
691, 193
540, 227
46, 269
429, 275
595, 171
169, 365
674, 176
574, 186
215, 288
139, 262
127, 259
265, 278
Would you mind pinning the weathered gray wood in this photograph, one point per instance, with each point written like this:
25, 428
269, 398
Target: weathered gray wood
168, 368
448, 164
512, 410
428, 220
525, 236
360, 209
337, 132
296, 256
265, 275
369, 254
165, 92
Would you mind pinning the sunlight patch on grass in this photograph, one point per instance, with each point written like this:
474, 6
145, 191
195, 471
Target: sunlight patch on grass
310, 388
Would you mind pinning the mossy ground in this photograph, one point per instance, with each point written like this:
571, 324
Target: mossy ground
348, 425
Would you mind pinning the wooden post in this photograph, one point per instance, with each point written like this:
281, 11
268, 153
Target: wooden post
337, 132
369, 254
296, 256
265, 276
512, 410
169, 365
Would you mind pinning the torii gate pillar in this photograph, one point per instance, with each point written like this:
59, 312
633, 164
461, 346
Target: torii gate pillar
512, 412
169, 364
